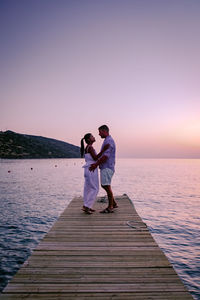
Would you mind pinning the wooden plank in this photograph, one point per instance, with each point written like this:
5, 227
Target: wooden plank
97, 256
98, 278
96, 270
95, 287
136, 251
101, 296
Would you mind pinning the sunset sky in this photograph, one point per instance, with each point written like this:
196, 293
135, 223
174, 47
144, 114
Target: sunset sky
69, 66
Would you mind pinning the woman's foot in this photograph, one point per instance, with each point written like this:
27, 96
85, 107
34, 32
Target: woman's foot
87, 210
84, 208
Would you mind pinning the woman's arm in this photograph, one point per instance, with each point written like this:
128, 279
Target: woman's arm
103, 150
95, 156
92, 152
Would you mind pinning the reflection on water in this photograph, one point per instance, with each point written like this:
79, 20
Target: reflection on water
166, 194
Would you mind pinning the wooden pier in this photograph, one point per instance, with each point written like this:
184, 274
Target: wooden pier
99, 256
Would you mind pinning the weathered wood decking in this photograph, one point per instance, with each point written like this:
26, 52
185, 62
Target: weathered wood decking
97, 256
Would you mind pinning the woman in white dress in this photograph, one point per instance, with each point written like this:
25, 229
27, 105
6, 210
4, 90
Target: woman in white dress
91, 185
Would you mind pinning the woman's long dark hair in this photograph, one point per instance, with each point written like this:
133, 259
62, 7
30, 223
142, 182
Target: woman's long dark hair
86, 138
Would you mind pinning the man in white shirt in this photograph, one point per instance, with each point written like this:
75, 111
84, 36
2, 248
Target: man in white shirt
106, 164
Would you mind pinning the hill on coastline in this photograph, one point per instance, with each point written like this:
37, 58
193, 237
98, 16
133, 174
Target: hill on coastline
16, 145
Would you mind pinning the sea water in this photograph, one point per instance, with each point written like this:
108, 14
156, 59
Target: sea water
165, 192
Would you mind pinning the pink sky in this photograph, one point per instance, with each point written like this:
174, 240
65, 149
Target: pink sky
68, 67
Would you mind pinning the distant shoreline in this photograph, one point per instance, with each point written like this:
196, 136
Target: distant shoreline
22, 146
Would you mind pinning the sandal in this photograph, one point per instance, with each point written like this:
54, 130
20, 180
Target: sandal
87, 210
106, 211
84, 208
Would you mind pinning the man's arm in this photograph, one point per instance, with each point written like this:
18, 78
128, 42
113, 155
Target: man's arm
103, 158
98, 162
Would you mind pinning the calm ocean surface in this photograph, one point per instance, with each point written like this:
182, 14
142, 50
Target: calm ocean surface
165, 192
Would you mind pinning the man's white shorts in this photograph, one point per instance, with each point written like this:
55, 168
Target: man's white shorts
106, 176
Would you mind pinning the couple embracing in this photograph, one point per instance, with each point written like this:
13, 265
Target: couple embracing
106, 162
